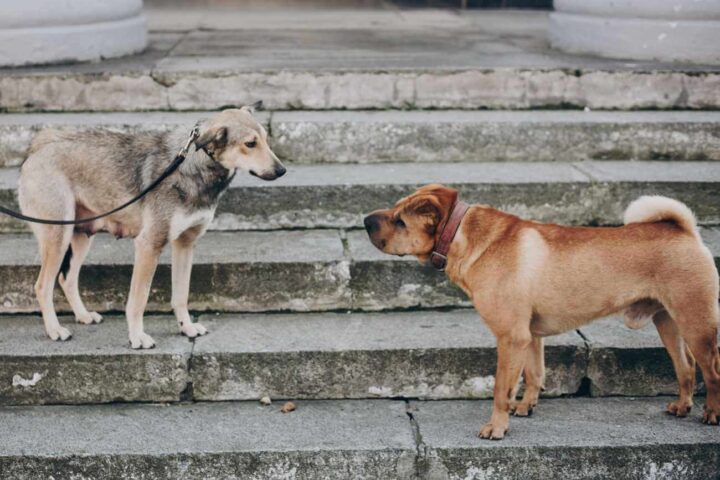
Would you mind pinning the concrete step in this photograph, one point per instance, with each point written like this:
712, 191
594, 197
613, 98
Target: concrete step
339, 196
355, 439
315, 270
251, 272
374, 60
431, 355
307, 137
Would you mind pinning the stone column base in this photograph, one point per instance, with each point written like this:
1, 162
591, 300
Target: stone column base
639, 29
38, 32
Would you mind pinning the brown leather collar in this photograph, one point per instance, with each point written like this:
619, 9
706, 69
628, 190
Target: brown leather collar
438, 257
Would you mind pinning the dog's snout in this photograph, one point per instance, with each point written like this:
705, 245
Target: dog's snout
280, 171
372, 223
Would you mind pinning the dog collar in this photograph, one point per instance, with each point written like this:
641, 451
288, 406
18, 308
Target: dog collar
438, 257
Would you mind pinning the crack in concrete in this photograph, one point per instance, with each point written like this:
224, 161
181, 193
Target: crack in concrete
421, 461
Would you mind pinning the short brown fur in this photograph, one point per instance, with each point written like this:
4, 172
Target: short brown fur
529, 280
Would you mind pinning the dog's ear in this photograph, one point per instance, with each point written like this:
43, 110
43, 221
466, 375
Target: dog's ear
212, 139
434, 202
254, 107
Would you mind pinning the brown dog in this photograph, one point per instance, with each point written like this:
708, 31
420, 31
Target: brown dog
529, 280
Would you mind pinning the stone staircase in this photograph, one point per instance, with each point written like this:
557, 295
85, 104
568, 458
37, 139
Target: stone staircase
391, 371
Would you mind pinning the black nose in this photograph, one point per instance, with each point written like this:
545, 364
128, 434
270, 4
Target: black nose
372, 223
280, 171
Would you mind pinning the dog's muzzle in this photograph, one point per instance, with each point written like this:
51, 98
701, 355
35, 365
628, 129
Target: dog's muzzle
279, 171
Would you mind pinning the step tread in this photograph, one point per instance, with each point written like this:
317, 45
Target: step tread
286, 246
203, 428
218, 52
331, 425
424, 354
99, 119
327, 439
281, 246
469, 173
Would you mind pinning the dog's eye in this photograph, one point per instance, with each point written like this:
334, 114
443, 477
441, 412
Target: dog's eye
399, 222
251, 144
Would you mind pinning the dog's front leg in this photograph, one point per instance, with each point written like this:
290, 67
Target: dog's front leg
512, 352
534, 374
147, 252
182, 254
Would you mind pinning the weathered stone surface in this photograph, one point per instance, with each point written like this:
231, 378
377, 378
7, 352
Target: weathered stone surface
251, 271
416, 136
567, 438
434, 355
457, 136
628, 362
96, 366
394, 60
584, 193
75, 93
379, 281
354, 439
18, 130
320, 440
180, 87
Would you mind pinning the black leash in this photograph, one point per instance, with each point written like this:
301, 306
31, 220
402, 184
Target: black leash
179, 159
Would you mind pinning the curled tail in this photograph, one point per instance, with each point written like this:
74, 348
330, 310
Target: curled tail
655, 208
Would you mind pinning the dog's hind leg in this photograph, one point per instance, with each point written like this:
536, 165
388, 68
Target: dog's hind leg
695, 311
54, 242
182, 253
683, 362
80, 244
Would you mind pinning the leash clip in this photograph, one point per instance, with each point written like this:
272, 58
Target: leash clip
194, 134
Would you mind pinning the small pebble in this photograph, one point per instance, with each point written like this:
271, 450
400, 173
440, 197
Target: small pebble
288, 407
265, 400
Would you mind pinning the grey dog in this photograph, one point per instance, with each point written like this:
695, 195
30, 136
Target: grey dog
72, 175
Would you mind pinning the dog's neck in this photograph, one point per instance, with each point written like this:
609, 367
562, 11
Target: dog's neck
481, 228
209, 177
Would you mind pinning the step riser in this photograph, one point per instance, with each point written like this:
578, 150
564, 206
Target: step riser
436, 141
438, 356
203, 466
448, 374
300, 287
345, 206
359, 279
365, 137
657, 461
469, 89
18, 131
689, 462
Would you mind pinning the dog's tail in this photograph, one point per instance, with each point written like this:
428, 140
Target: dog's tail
65, 265
654, 208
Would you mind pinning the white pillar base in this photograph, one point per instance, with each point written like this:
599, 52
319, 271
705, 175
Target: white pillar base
632, 30
43, 39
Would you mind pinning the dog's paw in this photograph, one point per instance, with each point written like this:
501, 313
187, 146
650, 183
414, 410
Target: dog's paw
59, 333
678, 408
192, 330
89, 318
522, 409
141, 340
711, 416
493, 432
